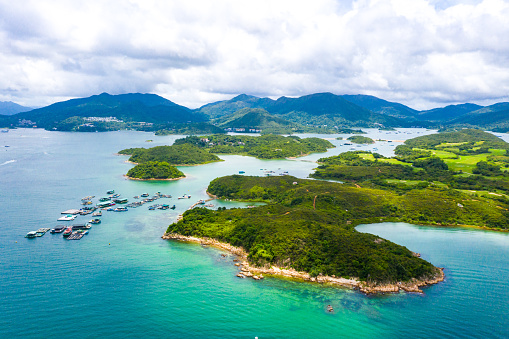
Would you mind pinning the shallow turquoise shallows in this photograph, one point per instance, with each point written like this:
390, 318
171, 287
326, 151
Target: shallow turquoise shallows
122, 280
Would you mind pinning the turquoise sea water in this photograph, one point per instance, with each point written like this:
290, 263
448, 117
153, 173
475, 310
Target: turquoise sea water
122, 280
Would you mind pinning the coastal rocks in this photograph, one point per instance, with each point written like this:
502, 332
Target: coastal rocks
257, 273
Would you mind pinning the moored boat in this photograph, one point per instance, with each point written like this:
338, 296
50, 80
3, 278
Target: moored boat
68, 217
97, 214
67, 232
110, 191
120, 209
58, 229
31, 234
95, 221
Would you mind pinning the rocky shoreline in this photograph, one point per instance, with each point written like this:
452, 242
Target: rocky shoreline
257, 273
168, 179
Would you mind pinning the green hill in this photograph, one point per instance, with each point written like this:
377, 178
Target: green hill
227, 107
132, 107
253, 118
447, 113
381, 106
315, 109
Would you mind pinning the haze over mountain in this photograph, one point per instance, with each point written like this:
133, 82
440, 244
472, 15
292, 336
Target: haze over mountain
10, 108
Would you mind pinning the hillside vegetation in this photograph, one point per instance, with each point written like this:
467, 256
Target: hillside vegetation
460, 164
307, 225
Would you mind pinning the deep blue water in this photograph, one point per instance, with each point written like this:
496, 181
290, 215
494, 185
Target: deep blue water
122, 280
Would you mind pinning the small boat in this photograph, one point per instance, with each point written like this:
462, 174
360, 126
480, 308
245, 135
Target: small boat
97, 214
185, 196
31, 234
164, 207
144, 195
120, 201
85, 233
76, 227
104, 199
201, 202
209, 205
67, 217
41, 231
115, 196
120, 209
136, 197
110, 191
58, 229
67, 232
95, 221
242, 172
172, 207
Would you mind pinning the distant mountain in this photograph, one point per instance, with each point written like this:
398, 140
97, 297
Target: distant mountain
315, 109
226, 107
448, 113
381, 106
10, 108
330, 109
253, 118
127, 107
494, 117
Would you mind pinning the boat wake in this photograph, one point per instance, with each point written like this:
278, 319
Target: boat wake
8, 162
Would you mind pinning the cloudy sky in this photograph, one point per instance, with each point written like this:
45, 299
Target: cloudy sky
423, 53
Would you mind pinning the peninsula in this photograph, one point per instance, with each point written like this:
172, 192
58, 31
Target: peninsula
307, 231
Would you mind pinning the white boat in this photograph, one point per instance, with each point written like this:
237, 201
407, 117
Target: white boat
31, 234
67, 217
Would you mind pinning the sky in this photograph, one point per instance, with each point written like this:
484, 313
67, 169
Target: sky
422, 53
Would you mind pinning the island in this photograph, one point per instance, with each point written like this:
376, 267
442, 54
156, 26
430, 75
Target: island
154, 170
359, 139
267, 146
179, 154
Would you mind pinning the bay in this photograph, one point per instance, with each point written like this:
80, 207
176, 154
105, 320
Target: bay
123, 280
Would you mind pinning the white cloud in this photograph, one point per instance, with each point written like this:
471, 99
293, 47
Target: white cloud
423, 53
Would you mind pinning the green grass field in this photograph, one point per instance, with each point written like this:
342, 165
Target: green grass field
369, 156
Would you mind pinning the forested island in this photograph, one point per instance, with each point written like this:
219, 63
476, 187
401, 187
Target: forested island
262, 147
359, 139
154, 170
178, 154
